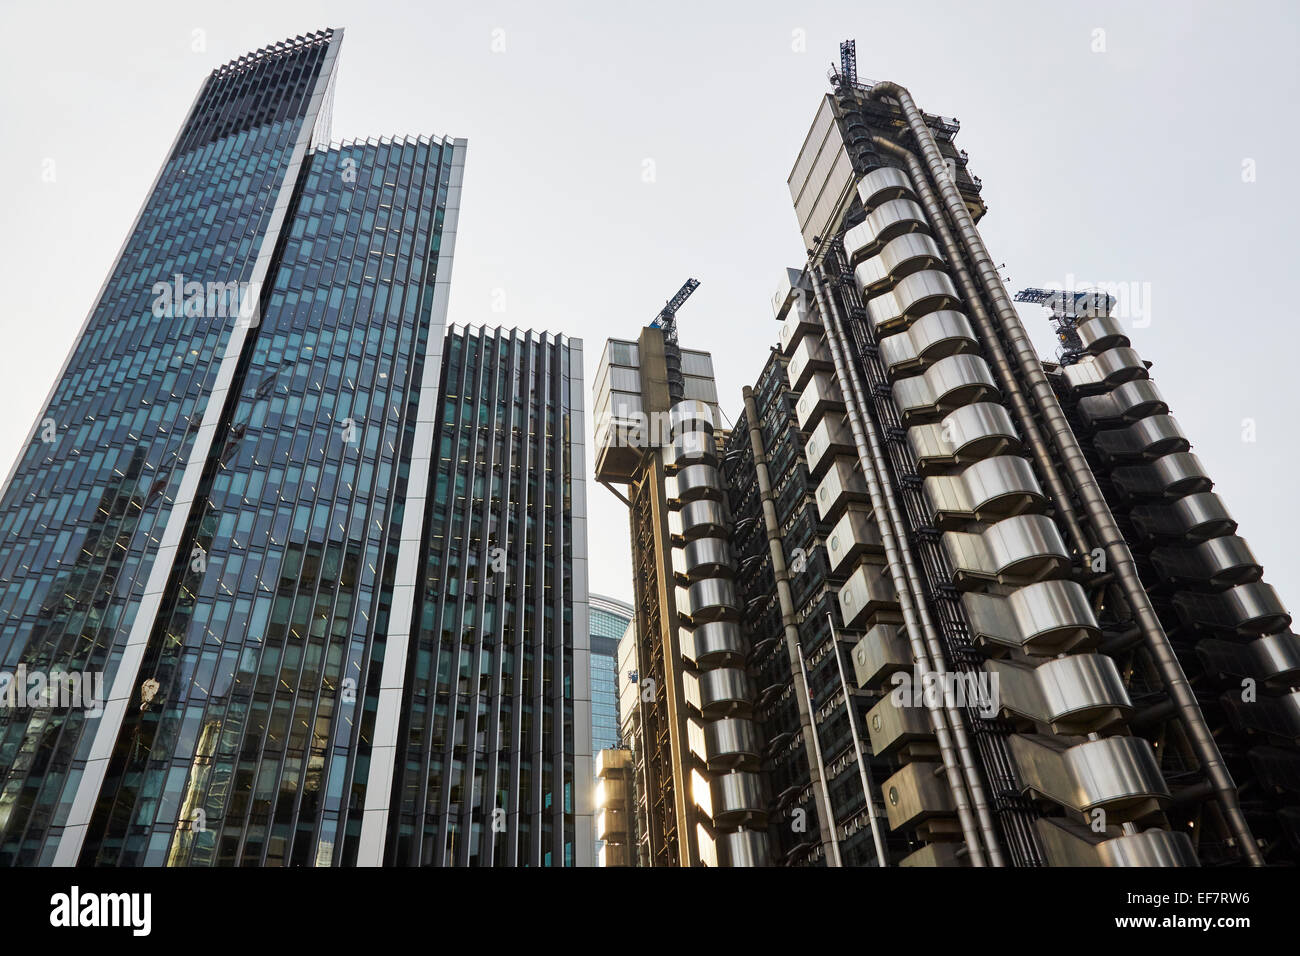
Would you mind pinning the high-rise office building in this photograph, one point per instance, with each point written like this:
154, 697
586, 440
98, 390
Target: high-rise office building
1056, 649
494, 762
1070, 732
328, 555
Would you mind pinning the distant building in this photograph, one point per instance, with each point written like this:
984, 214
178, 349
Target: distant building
608, 619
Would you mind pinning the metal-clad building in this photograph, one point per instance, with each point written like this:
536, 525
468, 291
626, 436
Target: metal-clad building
1085, 635
699, 798
1062, 653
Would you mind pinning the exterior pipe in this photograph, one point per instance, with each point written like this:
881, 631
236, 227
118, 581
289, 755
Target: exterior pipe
954, 766
856, 400
825, 817
992, 346
821, 764
1094, 504
882, 859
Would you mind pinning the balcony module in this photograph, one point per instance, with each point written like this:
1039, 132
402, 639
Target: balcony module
1274, 718
725, 691
716, 644
911, 298
885, 222
1190, 519
868, 591
698, 481
967, 434
897, 259
1102, 333
947, 385
883, 184
1047, 618
1272, 660
708, 557
798, 323
1146, 439
1072, 844
1019, 550
882, 652
809, 356
737, 799
787, 293
1096, 373
904, 732
842, 485
1077, 694
1247, 609
822, 394
1169, 476
1117, 774
988, 490
1123, 405
917, 796
854, 535
929, 339
731, 743
831, 437
1219, 562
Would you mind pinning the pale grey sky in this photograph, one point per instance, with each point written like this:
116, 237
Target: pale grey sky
1122, 166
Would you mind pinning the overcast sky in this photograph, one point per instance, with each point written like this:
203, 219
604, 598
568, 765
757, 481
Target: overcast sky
1117, 143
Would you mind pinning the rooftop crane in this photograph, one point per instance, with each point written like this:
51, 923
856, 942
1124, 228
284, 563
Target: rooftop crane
667, 321
1067, 308
667, 317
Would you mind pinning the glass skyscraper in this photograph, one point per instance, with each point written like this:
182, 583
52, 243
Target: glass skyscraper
493, 762
328, 556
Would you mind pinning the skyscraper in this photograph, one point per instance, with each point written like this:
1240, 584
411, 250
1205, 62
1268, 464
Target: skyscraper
494, 763
1084, 742
329, 556
1055, 649
1226, 625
